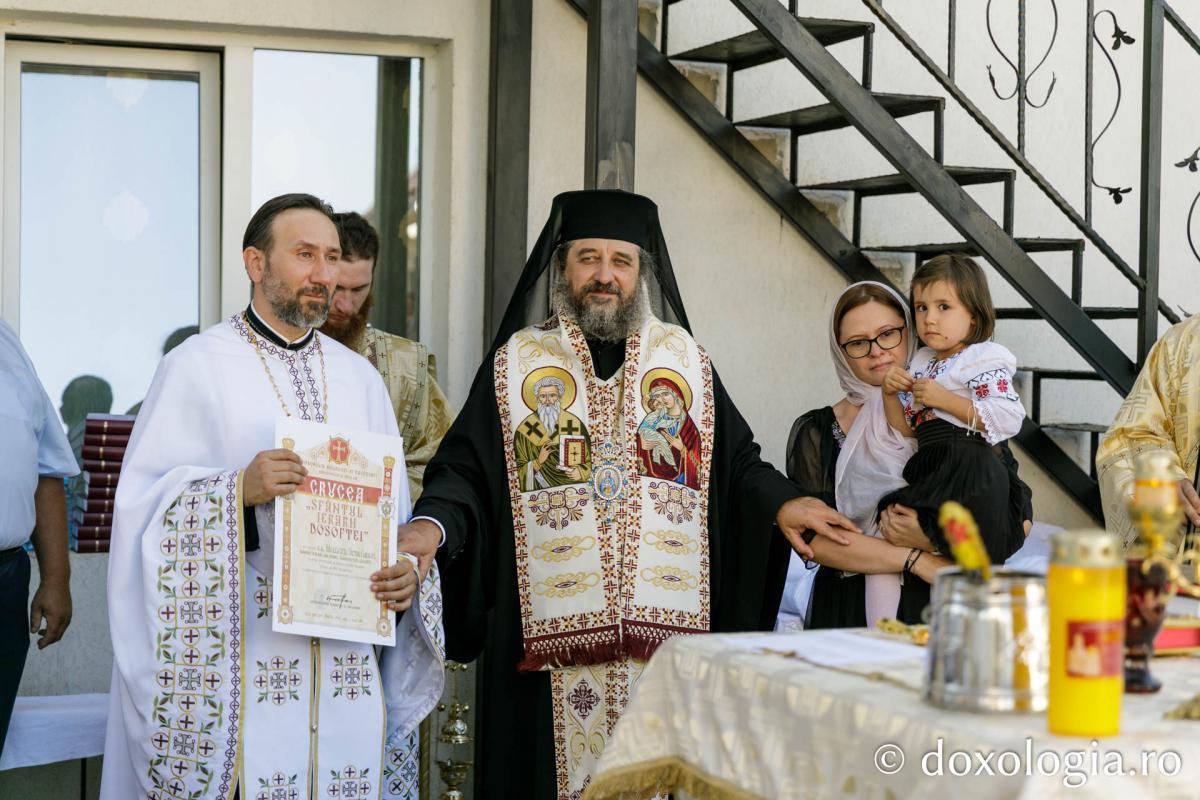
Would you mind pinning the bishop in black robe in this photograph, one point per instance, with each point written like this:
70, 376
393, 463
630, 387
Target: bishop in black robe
466, 492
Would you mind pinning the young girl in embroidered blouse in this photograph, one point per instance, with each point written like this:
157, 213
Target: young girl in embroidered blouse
957, 401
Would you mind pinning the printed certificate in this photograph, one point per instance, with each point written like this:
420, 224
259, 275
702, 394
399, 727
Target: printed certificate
336, 530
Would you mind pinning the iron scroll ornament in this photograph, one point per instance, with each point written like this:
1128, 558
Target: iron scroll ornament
1192, 164
1020, 79
1119, 37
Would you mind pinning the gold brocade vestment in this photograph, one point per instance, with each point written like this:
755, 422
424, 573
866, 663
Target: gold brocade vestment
1162, 412
423, 414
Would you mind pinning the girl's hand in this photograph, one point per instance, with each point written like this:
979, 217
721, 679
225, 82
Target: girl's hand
896, 380
931, 394
901, 527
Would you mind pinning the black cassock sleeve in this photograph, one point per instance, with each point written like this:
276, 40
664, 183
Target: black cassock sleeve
250, 524
464, 486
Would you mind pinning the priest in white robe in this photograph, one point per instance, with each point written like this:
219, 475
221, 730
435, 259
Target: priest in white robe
207, 701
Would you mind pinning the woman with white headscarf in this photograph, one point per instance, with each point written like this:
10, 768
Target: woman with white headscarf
847, 455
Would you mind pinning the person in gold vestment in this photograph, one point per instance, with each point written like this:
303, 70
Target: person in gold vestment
408, 368
1162, 412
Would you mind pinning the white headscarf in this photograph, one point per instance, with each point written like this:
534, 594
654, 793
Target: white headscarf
871, 459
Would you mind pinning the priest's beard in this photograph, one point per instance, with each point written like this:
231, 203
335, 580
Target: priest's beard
287, 305
608, 323
349, 330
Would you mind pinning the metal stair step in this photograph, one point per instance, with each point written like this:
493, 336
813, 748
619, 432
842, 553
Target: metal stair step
898, 183
1055, 374
753, 48
828, 117
1029, 245
1095, 312
1075, 427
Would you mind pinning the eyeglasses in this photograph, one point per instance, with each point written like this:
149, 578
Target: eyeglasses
861, 348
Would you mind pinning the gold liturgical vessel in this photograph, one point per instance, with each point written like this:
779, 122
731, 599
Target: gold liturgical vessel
456, 738
1152, 571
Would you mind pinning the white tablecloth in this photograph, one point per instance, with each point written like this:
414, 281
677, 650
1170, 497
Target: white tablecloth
829, 713
45, 730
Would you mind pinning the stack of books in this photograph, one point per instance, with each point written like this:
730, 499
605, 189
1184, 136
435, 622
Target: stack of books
105, 437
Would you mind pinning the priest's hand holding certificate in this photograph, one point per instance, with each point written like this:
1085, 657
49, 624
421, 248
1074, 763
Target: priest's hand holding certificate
271, 474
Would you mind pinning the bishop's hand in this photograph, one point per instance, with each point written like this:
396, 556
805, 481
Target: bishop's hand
272, 473
397, 584
421, 539
802, 514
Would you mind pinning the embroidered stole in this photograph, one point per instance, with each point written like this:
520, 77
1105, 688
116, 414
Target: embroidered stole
285, 715
610, 515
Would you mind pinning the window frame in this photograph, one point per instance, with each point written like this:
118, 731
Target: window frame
207, 68
235, 50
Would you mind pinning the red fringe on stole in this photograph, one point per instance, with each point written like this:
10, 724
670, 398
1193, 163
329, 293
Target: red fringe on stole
555, 651
631, 640
641, 639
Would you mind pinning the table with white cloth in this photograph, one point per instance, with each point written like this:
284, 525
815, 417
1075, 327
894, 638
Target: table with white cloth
839, 713
50, 729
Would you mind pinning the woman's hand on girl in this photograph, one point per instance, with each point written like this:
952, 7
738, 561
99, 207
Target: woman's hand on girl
896, 380
900, 526
802, 514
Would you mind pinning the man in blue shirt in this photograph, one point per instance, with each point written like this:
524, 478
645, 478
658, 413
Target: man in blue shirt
36, 457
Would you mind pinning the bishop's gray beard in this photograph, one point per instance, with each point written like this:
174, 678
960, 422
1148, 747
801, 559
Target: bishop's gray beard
604, 323
549, 417
288, 307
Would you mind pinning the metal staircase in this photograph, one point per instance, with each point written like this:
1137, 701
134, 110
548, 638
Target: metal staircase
780, 35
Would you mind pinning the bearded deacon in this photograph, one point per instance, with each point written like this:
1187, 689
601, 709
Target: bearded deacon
568, 585
407, 367
206, 698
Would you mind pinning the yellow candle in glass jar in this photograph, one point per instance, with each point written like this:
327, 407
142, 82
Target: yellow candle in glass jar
1086, 592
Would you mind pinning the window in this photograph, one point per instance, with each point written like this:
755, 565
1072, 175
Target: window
346, 128
110, 214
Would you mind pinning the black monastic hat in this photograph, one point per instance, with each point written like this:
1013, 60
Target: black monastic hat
593, 214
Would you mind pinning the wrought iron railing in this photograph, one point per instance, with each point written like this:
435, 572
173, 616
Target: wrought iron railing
1106, 34
779, 34
1145, 277
1189, 162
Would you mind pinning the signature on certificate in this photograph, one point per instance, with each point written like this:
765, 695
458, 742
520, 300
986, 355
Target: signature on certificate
332, 600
